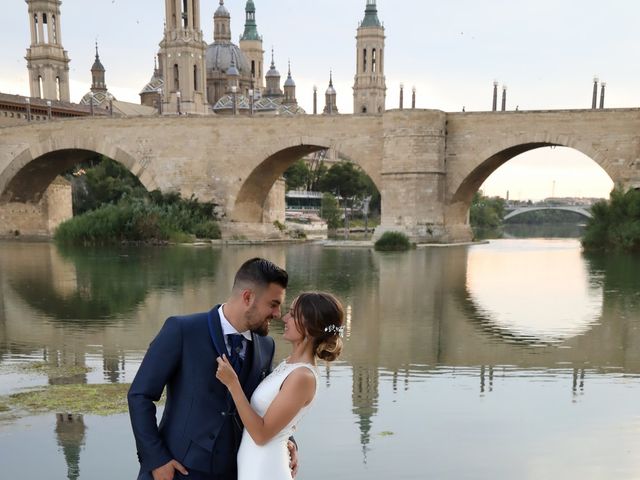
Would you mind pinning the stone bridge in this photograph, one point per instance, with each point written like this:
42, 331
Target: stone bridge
427, 164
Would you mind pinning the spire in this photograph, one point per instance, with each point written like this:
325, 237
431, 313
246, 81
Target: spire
331, 90
371, 15
273, 79
331, 106
289, 89
272, 71
289, 82
97, 65
250, 26
98, 83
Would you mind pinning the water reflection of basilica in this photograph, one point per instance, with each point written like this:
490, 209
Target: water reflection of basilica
411, 315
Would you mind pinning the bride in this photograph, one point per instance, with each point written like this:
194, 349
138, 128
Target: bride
313, 326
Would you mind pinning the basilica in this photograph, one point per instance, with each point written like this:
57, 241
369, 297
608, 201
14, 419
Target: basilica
194, 77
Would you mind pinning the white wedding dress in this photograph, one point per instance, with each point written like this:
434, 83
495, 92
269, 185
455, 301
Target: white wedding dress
270, 461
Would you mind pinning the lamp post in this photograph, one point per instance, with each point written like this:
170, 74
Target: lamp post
28, 102
178, 97
504, 98
413, 98
495, 96
251, 101
91, 103
49, 109
604, 86
159, 101
401, 96
234, 89
594, 100
315, 100
110, 97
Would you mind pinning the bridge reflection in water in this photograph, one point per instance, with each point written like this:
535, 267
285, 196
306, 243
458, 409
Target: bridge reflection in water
508, 309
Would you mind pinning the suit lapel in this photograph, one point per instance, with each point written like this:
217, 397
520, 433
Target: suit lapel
215, 330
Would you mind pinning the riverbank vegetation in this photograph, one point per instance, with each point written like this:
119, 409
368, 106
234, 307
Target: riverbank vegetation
615, 225
111, 206
486, 216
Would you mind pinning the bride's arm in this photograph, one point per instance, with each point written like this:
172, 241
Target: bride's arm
297, 391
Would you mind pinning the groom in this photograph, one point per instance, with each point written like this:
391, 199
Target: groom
200, 432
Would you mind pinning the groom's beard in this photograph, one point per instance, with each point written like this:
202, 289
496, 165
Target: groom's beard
261, 329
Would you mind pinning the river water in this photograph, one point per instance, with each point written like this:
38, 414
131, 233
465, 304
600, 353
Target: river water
519, 358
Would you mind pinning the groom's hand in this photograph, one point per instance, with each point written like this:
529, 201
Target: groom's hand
293, 456
168, 471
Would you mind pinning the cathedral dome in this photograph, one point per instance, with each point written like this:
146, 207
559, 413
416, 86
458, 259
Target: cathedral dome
99, 98
220, 55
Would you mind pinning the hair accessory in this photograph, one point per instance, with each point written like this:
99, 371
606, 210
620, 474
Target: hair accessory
335, 330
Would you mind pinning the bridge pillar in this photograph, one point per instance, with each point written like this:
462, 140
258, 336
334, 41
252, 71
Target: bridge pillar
38, 219
413, 174
272, 214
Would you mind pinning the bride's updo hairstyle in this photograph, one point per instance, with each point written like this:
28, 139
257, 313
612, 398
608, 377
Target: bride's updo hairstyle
321, 316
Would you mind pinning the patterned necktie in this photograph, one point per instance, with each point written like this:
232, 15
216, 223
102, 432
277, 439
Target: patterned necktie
235, 346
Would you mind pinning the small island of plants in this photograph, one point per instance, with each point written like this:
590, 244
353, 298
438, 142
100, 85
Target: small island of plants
111, 206
393, 242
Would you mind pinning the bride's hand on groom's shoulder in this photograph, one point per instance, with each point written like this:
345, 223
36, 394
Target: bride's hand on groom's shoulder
225, 373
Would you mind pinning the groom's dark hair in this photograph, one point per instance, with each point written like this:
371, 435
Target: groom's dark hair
261, 273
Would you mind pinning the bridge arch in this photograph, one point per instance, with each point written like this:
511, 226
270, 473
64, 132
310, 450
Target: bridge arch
494, 156
29, 174
252, 195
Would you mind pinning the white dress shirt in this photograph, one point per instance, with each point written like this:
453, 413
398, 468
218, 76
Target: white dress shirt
228, 329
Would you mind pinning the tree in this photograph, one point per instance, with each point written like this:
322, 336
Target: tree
486, 212
330, 211
298, 176
346, 180
102, 181
615, 224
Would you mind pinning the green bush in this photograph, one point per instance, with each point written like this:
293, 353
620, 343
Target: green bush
615, 224
140, 220
393, 242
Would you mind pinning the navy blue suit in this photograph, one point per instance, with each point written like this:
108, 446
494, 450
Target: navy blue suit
199, 426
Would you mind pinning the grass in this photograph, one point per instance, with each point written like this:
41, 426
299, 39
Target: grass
95, 399
55, 371
74, 398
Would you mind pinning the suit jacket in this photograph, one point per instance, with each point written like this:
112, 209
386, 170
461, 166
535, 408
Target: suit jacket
197, 424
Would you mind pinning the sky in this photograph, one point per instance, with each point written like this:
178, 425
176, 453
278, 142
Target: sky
546, 51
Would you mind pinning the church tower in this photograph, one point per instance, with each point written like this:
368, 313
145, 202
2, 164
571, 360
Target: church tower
273, 80
330, 98
251, 45
289, 90
98, 83
183, 53
370, 89
47, 61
